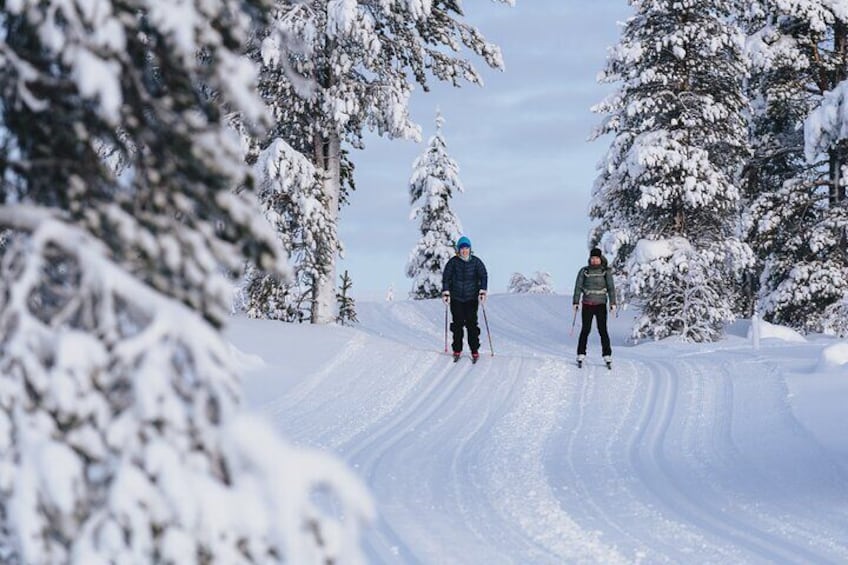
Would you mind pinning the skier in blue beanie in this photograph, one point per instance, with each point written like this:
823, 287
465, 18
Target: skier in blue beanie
464, 287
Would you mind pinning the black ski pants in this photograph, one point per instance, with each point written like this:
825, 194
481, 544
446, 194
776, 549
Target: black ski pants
464, 315
598, 311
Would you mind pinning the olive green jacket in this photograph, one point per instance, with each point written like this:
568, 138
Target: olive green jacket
596, 286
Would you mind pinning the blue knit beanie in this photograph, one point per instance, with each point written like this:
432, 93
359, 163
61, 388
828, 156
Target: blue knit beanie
463, 242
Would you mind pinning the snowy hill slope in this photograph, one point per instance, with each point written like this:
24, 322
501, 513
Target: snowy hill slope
681, 453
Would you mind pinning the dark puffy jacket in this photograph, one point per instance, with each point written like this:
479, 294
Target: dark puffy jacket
595, 284
465, 279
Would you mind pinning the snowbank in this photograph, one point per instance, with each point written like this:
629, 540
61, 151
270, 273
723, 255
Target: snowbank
775, 331
833, 356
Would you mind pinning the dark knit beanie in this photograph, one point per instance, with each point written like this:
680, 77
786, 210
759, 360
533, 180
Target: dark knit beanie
595, 252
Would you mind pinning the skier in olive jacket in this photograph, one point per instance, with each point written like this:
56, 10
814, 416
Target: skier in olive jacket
464, 284
594, 283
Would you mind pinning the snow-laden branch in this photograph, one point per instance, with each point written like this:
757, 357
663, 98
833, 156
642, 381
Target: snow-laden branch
121, 434
827, 125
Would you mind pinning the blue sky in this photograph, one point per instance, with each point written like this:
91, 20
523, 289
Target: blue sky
521, 145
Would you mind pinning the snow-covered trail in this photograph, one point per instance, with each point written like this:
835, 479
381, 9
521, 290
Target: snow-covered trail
680, 453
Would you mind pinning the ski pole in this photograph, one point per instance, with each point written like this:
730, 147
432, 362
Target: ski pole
488, 333
446, 327
573, 321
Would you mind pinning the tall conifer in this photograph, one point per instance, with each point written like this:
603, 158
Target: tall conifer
666, 200
434, 181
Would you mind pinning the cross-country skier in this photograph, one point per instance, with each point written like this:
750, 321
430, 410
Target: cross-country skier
595, 285
464, 284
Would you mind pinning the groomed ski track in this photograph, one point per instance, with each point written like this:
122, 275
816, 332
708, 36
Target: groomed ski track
681, 453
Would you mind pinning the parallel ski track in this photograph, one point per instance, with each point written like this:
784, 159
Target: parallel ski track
588, 380
634, 441
367, 451
524, 493
745, 540
648, 460
449, 390
635, 445
468, 458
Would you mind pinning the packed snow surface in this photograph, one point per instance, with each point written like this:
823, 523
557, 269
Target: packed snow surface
681, 453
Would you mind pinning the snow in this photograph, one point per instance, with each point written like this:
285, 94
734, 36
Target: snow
648, 250
684, 452
775, 331
835, 355
827, 125
96, 78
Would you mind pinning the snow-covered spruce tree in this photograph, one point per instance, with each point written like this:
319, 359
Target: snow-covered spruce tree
121, 439
435, 179
797, 216
779, 102
354, 69
667, 181
540, 283
295, 207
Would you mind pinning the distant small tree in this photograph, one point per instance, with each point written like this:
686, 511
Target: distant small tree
390, 294
347, 306
540, 283
435, 179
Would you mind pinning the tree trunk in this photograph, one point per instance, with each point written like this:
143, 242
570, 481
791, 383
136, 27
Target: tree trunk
838, 155
328, 157
838, 158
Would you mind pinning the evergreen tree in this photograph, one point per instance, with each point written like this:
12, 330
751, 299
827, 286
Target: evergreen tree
354, 70
346, 304
665, 199
295, 208
779, 102
796, 181
435, 179
121, 438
